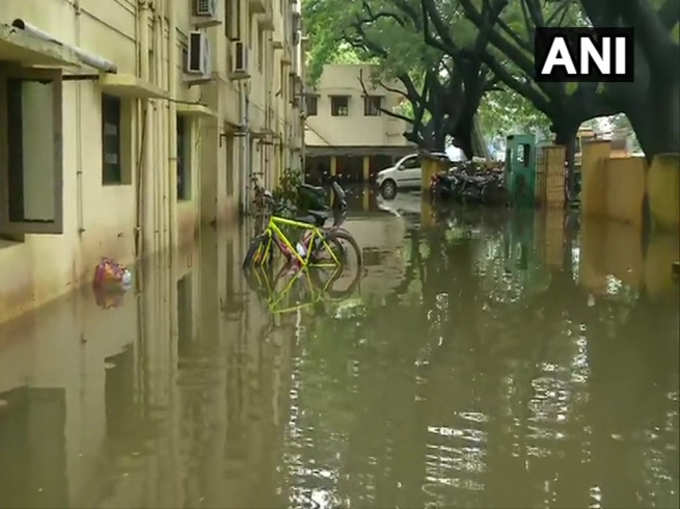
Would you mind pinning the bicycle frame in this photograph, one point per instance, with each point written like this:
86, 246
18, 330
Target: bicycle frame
275, 298
277, 236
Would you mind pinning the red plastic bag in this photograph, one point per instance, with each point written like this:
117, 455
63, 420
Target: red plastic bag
108, 272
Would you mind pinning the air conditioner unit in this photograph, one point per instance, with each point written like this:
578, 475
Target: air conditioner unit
198, 56
205, 8
205, 14
240, 58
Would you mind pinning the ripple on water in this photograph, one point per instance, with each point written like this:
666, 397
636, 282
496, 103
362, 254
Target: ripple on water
473, 416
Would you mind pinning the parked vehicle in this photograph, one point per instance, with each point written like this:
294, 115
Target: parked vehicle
470, 182
313, 244
406, 174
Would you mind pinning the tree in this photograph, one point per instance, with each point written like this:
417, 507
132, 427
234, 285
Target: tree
652, 102
509, 29
504, 112
443, 93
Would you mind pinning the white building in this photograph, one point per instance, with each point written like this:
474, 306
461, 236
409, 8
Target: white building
346, 132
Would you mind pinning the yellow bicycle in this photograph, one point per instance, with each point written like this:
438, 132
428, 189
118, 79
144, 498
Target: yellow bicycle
316, 245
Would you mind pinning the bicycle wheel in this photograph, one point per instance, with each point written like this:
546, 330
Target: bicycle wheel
346, 250
257, 252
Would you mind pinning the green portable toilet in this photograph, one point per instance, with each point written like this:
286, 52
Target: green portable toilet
520, 168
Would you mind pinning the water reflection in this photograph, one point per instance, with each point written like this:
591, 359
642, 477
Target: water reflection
485, 358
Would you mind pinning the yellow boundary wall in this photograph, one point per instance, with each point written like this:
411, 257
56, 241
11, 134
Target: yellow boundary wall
615, 188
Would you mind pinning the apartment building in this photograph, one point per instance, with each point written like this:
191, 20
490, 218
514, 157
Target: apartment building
124, 124
347, 132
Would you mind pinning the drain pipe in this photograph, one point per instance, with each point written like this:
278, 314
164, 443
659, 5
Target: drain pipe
80, 214
172, 124
244, 169
148, 191
248, 164
95, 61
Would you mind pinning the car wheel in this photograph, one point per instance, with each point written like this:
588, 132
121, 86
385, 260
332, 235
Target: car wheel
389, 189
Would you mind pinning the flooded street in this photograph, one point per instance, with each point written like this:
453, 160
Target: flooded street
487, 358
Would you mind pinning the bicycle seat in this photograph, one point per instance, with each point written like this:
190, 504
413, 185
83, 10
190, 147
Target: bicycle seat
316, 189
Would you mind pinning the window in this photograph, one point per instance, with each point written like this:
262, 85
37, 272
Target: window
283, 82
111, 164
185, 326
183, 158
410, 164
340, 105
372, 104
249, 22
311, 105
30, 152
292, 89
523, 154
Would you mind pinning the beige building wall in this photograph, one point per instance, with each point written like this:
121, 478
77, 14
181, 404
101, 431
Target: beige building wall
356, 129
357, 145
231, 137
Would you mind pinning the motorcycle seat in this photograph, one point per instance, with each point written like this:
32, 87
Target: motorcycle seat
315, 217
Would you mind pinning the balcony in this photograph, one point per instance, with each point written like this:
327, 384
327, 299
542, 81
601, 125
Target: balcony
266, 21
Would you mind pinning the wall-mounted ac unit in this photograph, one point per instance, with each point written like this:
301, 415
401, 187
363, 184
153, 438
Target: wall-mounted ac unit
205, 13
198, 56
239, 66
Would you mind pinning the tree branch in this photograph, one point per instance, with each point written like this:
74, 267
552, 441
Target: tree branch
445, 42
670, 13
382, 14
517, 55
412, 13
524, 88
514, 36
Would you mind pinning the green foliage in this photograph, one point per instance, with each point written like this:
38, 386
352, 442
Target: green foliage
506, 112
336, 28
286, 195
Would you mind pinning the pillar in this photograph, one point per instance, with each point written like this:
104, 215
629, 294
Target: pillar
430, 166
550, 176
663, 183
367, 168
625, 178
334, 165
593, 181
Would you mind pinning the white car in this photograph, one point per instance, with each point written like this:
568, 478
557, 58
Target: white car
406, 174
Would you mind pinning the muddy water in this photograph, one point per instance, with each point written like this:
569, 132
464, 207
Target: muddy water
485, 359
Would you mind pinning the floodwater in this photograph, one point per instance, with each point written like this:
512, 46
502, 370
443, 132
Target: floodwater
487, 358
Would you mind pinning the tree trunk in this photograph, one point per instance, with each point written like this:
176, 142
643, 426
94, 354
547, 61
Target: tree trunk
464, 142
433, 137
566, 135
657, 120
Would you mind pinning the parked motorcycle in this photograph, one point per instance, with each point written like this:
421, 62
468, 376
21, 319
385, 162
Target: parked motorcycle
470, 182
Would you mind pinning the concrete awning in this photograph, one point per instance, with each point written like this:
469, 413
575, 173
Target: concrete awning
129, 85
353, 150
17, 46
263, 133
196, 110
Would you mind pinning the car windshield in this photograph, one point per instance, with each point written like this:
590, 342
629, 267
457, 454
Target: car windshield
409, 163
